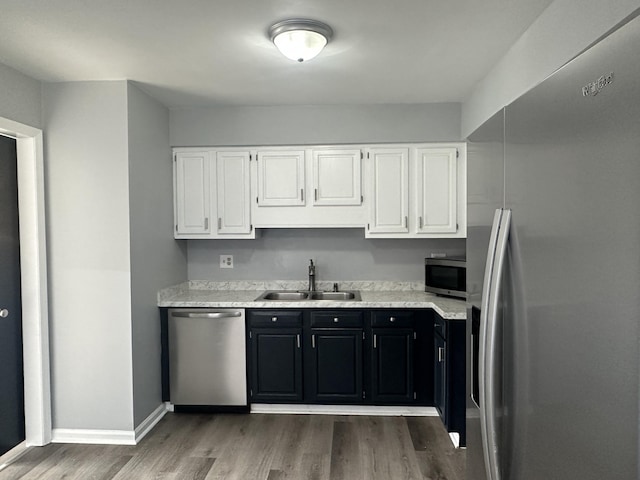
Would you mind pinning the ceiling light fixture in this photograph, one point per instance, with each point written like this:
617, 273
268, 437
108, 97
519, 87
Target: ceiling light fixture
300, 39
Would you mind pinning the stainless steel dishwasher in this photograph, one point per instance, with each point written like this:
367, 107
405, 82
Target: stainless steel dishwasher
207, 358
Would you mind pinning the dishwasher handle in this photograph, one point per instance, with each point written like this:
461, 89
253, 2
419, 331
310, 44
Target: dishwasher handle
206, 314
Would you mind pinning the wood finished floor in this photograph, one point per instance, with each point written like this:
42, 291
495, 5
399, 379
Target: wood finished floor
259, 447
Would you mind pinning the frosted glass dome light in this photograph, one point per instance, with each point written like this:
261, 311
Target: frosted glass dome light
300, 39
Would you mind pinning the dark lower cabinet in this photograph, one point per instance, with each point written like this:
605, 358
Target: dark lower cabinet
334, 373
276, 357
345, 356
449, 382
440, 375
392, 366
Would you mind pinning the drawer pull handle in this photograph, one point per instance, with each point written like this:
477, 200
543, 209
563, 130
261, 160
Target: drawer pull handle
392, 319
335, 320
274, 319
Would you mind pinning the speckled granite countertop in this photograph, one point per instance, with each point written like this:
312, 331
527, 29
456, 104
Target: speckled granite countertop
243, 294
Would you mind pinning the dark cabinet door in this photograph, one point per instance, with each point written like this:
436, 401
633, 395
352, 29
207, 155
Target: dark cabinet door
440, 376
392, 365
335, 366
276, 365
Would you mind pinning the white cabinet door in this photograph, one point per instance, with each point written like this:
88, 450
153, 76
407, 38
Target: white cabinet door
233, 192
337, 178
281, 178
192, 190
389, 177
436, 176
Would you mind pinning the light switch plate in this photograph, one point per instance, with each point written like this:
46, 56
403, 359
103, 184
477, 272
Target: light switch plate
226, 261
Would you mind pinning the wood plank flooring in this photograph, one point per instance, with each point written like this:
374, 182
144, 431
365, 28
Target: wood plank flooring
259, 447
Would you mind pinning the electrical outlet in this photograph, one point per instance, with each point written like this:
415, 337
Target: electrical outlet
226, 261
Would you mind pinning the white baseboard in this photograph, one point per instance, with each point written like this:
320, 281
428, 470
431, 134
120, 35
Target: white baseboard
97, 437
344, 410
109, 437
13, 454
147, 425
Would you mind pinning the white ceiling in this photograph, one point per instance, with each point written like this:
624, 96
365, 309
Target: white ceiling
216, 52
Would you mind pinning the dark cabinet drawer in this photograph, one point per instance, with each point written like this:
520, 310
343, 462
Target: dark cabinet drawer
392, 319
275, 318
336, 319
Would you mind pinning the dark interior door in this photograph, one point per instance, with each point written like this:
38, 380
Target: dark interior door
11, 370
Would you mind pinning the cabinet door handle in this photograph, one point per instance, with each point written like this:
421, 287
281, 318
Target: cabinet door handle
219, 223
302, 195
206, 223
298, 339
315, 194
313, 341
406, 221
375, 341
420, 222
440, 354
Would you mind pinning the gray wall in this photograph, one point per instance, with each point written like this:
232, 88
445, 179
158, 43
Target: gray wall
87, 196
340, 254
20, 97
330, 124
157, 260
562, 31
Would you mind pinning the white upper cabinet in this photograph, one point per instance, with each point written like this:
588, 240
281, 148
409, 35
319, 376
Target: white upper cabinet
392, 191
432, 205
389, 190
191, 193
314, 187
233, 193
212, 194
437, 194
337, 177
281, 179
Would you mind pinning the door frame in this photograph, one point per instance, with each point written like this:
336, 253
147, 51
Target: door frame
33, 261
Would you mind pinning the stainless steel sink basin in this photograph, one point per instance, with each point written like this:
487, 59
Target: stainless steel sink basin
284, 296
335, 296
298, 296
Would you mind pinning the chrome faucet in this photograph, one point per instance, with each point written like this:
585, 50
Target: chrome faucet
312, 276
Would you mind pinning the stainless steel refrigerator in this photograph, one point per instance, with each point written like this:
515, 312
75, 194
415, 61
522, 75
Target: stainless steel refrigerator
553, 275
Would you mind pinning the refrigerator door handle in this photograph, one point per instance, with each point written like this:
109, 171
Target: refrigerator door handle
484, 310
488, 386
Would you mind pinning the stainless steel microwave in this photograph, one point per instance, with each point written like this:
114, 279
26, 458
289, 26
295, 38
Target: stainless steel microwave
446, 276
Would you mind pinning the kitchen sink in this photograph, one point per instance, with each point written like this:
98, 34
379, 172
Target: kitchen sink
297, 296
335, 296
285, 295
